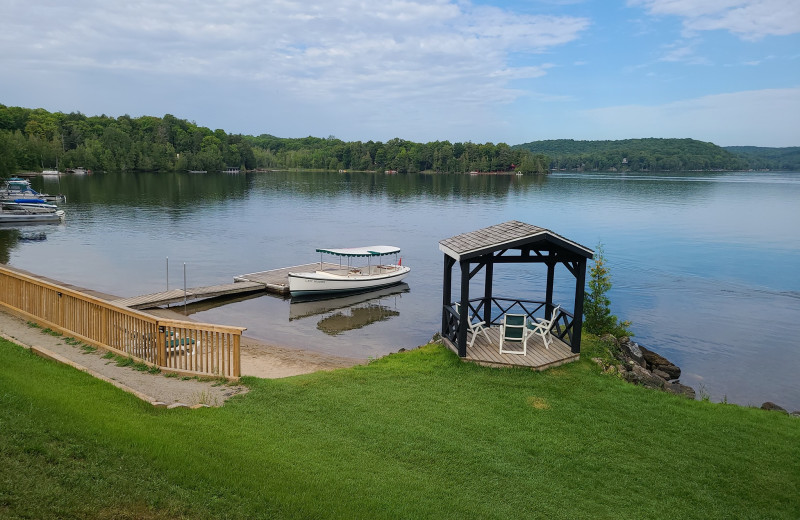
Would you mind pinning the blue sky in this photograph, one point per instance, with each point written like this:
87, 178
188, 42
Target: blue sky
724, 71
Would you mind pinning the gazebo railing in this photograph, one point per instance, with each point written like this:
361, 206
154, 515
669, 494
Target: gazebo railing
450, 321
562, 328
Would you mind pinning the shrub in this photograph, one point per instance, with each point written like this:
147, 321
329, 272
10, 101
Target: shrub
596, 304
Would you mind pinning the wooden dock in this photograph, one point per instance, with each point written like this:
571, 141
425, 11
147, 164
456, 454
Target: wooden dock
149, 301
486, 351
275, 281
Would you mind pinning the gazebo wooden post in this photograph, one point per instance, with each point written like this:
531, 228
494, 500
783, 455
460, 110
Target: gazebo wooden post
551, 275
465, 310
577, 320
487, 291
447, 290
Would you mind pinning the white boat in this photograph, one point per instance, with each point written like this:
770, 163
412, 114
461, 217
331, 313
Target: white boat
34, 205
348, 278
22, 216
17, 188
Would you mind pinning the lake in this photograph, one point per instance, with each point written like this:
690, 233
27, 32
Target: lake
705, 265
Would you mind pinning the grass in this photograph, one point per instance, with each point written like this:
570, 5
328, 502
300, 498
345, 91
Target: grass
412, 435
123, 361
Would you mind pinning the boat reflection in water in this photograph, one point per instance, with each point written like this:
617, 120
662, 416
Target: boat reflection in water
354, 311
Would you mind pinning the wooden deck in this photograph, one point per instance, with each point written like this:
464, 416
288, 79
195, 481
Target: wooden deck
149, 301
277, 280
274, 281
486, 351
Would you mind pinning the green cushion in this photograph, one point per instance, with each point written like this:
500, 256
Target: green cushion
181, 341
513, 333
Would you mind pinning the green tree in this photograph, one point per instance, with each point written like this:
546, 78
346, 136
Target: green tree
8, 163
596, 304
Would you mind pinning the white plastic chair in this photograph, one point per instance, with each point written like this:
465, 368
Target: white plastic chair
474, 327
542, 327
514, 329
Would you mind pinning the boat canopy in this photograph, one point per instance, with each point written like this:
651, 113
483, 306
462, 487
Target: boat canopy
362, 251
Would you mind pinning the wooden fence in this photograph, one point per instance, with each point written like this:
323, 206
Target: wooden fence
176, 346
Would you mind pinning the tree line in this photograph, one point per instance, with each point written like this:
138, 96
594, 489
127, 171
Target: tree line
32, 139
766, 158
639, 155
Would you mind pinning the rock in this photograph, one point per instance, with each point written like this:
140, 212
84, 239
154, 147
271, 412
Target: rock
632, 352
177, 405
769, 405
662, 374
644, 377
609, 338
655, 361
159, 404
673, 371
630, 377
679, 389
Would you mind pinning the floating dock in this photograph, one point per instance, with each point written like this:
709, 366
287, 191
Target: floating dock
275, 281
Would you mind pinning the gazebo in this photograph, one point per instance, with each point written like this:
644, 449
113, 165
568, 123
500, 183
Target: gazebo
511, 242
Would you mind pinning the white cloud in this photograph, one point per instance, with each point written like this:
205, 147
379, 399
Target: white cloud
390, 51
749, 19
756, 117
683, 52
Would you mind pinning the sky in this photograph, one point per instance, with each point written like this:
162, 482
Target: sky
722, 71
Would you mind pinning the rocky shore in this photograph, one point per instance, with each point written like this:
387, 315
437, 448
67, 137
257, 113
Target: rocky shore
644, 367
641, 366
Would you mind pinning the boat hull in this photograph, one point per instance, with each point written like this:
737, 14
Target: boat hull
321, 282
14, 217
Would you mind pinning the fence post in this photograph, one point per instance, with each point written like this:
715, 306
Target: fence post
161, 345
237, 360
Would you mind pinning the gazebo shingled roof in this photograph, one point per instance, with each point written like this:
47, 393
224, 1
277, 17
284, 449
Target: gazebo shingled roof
496, 245
507, 235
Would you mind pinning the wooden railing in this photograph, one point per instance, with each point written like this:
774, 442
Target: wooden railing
181, 347
562, 328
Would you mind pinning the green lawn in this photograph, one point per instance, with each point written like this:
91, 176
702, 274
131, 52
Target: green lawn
412, 435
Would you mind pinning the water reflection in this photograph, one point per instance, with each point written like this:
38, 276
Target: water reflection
165, 189
11, 235
9, 238
351, 312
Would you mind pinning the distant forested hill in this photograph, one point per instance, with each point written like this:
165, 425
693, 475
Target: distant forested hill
31, 139
636, 155
760, 158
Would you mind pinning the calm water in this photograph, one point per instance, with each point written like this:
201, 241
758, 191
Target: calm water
705, 265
